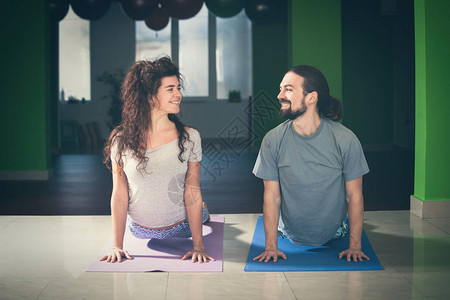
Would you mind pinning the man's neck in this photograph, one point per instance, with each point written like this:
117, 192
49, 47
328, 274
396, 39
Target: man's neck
307, 124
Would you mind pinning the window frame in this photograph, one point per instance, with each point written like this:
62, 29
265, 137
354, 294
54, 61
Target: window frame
88, 100
212, 67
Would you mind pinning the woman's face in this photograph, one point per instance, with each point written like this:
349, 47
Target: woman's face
168, 98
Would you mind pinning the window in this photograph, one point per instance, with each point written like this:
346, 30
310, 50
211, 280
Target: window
233, 56
214, 54
151, 44
74, 58
193, 53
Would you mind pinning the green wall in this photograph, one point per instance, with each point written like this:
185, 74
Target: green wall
432, 173
25, 61
316, 38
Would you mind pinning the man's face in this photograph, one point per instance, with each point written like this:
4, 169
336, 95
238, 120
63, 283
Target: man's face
292, 97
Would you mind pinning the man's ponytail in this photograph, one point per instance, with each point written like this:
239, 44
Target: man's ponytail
314, 81
330, 108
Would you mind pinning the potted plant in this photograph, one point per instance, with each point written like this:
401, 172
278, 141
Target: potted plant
73, 100
234, 96
114, 80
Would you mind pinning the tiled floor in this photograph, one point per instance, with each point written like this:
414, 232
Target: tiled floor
45, 257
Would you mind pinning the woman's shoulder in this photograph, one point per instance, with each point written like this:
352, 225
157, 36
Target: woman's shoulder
193, 134
191, 130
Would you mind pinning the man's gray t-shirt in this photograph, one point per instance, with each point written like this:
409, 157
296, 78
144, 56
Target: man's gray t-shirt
312, 171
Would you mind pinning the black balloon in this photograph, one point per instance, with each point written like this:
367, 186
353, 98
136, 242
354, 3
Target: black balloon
260, 11
225, 8
158, 20
58, 9
139, 9
90, 9
182, 9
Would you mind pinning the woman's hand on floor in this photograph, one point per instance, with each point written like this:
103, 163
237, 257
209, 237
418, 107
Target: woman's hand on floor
197, 255
116, 254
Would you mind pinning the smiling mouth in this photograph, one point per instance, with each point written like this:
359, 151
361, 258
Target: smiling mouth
285, 104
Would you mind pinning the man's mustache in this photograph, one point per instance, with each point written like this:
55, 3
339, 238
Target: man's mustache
284, 101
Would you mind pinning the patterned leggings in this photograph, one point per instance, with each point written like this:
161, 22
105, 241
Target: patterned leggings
181, 230
342, 230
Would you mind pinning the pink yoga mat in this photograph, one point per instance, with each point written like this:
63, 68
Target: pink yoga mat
165, 255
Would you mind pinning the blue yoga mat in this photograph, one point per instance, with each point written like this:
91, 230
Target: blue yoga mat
304, 258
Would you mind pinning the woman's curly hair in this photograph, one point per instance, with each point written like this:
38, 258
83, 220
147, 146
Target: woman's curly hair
141, 83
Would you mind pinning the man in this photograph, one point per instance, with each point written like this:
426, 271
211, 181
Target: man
312, 167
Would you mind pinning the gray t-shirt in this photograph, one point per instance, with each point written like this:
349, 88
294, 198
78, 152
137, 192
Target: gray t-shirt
156, 195
312, 172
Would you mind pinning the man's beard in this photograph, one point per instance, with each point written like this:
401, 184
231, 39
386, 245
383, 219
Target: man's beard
290, 114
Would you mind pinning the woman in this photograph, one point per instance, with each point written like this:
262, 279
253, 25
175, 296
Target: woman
155, 162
